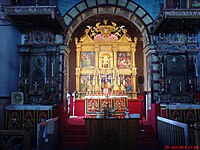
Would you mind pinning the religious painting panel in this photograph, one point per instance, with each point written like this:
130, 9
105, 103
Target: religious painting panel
29, 119
84, 83
124, 60
175, 115
127, 82
14, 120
120, 105
42, 115
92, 105
104, 102
190, 115
105, 83
87, 59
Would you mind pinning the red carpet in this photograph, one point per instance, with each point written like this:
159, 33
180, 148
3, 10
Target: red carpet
74, 135
146, 138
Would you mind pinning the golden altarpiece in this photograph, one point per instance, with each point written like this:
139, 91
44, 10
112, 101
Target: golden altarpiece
105, 62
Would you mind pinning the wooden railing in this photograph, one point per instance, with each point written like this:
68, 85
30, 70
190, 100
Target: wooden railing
9, 139
171, 132
47, 139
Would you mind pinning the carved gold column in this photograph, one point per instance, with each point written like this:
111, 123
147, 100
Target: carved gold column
78, 73
133, 49
78, 70
115, 63
133, 69
96, 49
134, 73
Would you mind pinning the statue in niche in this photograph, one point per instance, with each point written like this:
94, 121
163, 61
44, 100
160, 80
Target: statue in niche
105, 60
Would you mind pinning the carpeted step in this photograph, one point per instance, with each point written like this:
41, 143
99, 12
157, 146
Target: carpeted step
146, 138
74, 135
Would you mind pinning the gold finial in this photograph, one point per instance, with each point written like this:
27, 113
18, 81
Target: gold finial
87, 31
76, 40
124, 31
105, 21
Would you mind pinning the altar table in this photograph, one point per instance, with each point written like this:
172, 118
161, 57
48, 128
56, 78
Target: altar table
112, 134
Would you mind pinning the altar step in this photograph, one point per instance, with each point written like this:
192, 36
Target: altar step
146, 138
74, 137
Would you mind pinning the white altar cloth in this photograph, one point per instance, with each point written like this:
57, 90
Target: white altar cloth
29, 107
105, 97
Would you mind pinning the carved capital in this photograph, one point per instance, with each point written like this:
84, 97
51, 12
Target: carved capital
78, 71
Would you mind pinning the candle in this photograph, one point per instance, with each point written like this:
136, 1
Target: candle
20, 70
196, 70
189, 81
52, 67
180, 87
162, 70
45, 80
25, 81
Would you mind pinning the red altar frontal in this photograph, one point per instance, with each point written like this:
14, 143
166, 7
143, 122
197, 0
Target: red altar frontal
17, 116
94, 103
89, 105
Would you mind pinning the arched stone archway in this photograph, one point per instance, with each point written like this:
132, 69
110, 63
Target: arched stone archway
126, 9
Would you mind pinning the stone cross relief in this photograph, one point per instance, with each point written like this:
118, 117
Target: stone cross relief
35, 86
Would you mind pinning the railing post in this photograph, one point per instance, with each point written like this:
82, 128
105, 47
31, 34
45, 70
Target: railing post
197, 133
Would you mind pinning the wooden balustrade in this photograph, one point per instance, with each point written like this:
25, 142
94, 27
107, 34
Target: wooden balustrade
171, 132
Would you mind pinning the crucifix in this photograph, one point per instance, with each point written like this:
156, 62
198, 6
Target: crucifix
180, 87
35, 86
